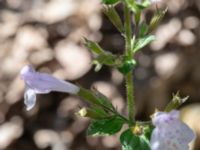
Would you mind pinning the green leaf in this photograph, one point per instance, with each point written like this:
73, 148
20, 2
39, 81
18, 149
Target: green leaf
109, 2
132, 5
104, 127
93, 46
127, 65
142, 42
100, 111
102, 57
156, 19
130, 141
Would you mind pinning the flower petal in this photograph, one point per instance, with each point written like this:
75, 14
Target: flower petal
29, 98
170, 133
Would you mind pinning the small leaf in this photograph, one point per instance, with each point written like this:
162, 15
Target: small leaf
142, 42
104, 127
176, 102
109, 2
156, 19
93, 46
131, 141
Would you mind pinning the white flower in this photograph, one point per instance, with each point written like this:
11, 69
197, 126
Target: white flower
170, 133
38, 83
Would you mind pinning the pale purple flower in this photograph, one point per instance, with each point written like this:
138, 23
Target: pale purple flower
170, 132
39, 83
155, 1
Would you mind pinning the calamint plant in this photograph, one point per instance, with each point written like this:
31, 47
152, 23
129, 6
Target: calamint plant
165, 131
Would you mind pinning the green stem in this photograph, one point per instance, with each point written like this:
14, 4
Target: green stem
129, 76
128, 30
130, 97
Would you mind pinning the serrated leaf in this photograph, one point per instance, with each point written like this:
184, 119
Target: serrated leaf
142, 42
109, 2
131, 141
104, 127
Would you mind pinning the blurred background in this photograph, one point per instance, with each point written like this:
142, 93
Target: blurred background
49, 35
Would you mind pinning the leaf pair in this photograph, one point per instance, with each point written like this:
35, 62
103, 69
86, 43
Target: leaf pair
102, 57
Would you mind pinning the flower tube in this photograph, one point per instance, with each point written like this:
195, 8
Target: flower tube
41, 83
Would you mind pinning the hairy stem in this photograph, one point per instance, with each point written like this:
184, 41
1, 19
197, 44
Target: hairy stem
129, 76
